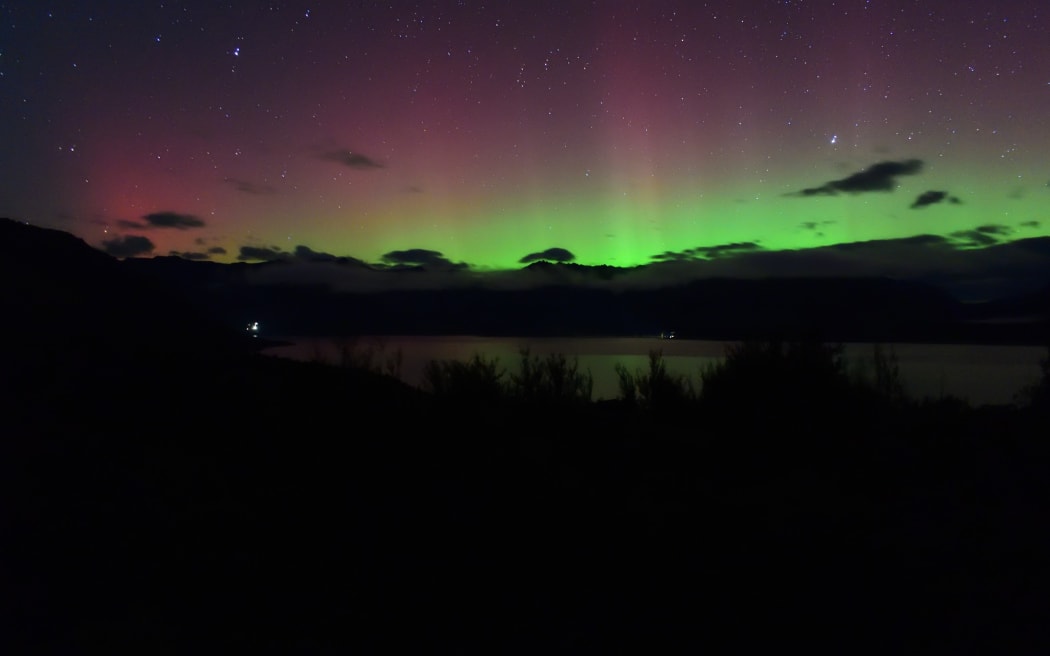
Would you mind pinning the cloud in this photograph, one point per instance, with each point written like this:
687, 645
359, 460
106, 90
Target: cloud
190, 255
932, 198
1029, 224
995, 229
251, 188
130, 246
723, 250
549, 255
173, 220
972, 239
347, 157
307, 254
671, 256
709, 252
301, 254
925, 240
816, 227
877, 177
163, 220
421, 257
272, 254
264, 253
981, 236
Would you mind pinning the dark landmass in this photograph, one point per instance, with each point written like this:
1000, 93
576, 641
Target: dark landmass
167, 489
834, 309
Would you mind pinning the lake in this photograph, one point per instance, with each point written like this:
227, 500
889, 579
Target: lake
980, 374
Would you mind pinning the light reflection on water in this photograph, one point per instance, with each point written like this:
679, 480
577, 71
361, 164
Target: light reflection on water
977, 373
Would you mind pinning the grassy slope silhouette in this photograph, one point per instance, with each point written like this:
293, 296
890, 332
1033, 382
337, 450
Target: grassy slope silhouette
169, 488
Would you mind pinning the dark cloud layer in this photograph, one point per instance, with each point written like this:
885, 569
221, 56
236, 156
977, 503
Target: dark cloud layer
709, 252
421, 257
549, 255
173, 220
932, 198
130, 246
263, 253
307, 254
350, 158
191, 255
301, 253
981, 236
163, 220
995, 229
972, 238
877, 177
814, 225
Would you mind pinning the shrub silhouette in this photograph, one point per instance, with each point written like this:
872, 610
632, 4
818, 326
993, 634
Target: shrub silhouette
371, 357
628, 385
554, 379
478, 380
788, 377
1036, 396
550, 380
881, 377
655, 389
766, 380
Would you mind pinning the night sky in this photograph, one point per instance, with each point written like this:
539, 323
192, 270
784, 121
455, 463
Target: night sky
485, 135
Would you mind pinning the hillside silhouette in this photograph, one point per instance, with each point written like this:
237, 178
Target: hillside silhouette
563, 299
170, 489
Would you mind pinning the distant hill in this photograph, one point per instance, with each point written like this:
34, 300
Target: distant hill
97, 346
1028, 307
835, 309
61, 287
59, 293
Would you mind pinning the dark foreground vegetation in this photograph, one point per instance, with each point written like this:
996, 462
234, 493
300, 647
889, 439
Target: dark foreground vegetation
172, 502
168, 489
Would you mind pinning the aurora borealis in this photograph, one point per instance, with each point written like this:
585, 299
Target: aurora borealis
480, 133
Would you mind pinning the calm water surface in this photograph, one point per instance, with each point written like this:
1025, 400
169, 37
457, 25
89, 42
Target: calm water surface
980, 374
